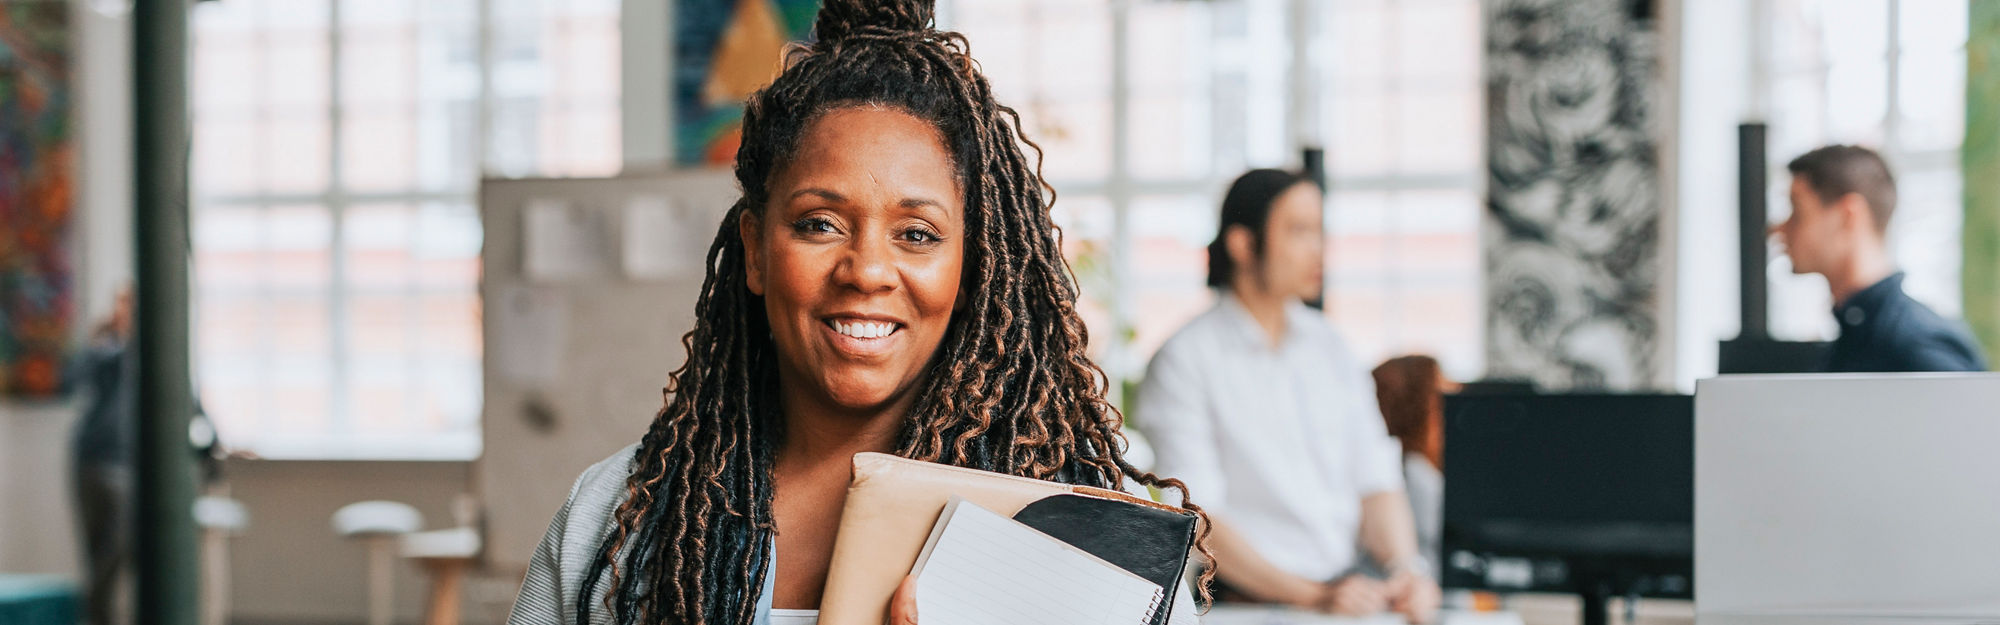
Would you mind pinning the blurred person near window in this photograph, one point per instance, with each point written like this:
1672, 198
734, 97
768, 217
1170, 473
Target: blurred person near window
101, 450
1843, 197
1411, 390
1260, 406
102, 453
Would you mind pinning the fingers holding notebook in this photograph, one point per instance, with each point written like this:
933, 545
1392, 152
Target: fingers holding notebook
903, 605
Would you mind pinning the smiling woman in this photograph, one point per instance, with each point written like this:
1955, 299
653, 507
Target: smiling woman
890, 281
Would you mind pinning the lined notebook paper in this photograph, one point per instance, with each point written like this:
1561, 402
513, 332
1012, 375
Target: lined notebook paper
980, 568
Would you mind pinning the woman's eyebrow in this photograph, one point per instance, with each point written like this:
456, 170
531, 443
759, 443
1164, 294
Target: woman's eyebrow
824, 194
913, 203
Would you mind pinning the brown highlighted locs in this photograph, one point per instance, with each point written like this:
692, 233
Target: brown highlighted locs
1011, 388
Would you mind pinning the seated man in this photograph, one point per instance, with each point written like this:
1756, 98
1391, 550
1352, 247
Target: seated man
1259, 407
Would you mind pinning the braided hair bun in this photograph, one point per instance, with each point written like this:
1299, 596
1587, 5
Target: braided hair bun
839, 19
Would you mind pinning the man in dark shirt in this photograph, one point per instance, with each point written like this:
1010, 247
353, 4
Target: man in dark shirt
1842, 199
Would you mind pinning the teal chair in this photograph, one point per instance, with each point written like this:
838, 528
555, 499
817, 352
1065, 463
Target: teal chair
37, 600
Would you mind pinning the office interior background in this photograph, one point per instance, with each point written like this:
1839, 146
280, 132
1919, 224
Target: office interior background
354, 340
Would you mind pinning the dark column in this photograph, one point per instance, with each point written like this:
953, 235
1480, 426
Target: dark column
165, 542
1753, 251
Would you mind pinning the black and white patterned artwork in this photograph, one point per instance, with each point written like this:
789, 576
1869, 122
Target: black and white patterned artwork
1571, 232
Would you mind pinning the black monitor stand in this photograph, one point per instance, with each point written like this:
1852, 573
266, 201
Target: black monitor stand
1596, 593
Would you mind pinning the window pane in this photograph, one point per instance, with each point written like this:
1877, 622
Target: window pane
226, 155
228, 248
1931, 99
1851, 30
1798, 114
1438, 131
378, 153
298, 248
1169, 136
1932, 26
377, 69
405, 380
1435, 39
378, 239
1861, 100
447, 247
1924, 236
227, 60
1362, 138
1169, 261
294, 76
1075, 136
1086, 231
1360, 41
298, 148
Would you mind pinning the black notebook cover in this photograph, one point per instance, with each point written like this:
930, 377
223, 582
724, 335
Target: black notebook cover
1152, 543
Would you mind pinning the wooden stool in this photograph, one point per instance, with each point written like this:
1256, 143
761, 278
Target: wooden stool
378, 524
444, 556
219, 518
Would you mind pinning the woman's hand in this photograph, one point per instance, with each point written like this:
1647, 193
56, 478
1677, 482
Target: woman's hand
1354, 595
903, 604
1413, 595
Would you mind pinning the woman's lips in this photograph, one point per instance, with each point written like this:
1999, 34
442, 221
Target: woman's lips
862, 338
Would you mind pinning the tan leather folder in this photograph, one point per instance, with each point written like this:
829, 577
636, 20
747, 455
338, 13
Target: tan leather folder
891, 505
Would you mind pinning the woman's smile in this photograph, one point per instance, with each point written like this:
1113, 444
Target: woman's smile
862, 338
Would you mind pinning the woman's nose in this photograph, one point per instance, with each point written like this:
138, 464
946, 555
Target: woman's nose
869, 266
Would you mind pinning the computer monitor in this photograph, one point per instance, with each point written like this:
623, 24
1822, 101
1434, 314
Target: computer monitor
1586, 494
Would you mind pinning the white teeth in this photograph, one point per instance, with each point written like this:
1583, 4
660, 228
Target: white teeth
864, 329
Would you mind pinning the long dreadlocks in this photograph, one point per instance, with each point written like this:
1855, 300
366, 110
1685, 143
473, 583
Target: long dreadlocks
1009, 390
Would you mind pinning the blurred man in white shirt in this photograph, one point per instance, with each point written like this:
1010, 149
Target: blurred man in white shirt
1259, 407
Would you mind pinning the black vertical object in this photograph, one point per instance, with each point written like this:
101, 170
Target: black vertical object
1753, 218
1753, 350
166, 565
1313, 165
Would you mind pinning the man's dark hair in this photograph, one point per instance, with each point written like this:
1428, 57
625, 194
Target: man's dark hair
1834, 171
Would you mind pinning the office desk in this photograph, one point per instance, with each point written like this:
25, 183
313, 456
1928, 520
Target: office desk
1912, 618
1520, 609
1237, 614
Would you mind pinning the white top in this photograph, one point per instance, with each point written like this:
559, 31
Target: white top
1281, 443
1425, 485
780, 616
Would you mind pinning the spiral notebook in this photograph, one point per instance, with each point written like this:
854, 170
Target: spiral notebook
981, 568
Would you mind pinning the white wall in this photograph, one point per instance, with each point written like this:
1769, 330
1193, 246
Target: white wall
1714, 83
646, 43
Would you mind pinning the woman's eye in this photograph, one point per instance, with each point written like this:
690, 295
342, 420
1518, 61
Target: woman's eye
920, 235
813, 225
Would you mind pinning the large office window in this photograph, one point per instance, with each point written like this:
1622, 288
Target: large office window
338, 147
1405, 158
1888, 74
1208, 92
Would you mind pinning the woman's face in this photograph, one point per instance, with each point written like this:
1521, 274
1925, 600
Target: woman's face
858, 257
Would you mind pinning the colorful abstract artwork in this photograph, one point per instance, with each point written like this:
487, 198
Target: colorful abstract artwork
724, 50
37, 156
